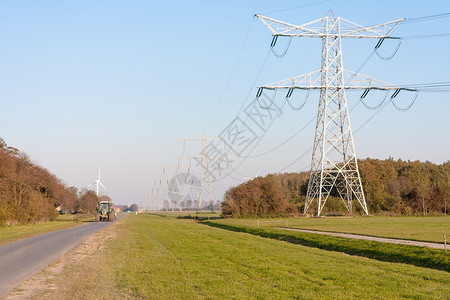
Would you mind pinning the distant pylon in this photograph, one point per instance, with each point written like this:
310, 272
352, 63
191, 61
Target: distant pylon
334, 165
162, 191
205, 173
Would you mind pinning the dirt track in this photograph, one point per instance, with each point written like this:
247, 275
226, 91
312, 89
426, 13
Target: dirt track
371, 238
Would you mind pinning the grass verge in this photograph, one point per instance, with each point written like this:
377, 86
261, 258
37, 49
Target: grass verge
418, 256
10, 234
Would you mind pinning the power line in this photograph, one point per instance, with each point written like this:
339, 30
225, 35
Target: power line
282, 54
261, 68
296, 160
408, 106
427, 36
430, 84
231, 75
307, 124
393, 53
295, 7
247, 117
313, 117
441, 87
379, 108
427, 18
286, 141
355, 132
219, 181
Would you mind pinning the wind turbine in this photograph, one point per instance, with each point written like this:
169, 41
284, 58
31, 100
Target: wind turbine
251, 178
97, 182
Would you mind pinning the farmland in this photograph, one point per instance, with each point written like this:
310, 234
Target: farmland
428, 229
12, 233
165, 257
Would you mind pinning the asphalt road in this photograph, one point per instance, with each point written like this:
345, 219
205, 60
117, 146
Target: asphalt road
22, 259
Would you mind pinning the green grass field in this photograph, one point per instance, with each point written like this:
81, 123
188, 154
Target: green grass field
13, 233
188, 214
429, 229
164, 257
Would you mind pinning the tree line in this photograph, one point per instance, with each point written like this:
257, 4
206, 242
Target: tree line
391, 187
29, 193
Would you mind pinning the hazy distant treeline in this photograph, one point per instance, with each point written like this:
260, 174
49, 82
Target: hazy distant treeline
391, 187
30, 193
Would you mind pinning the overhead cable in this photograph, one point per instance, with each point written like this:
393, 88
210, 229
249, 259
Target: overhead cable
261, 68
354, 133
427, 36
288, 97
287, 140
372, 107
407, 107
295, 7
231, 75
430, 84
272, 100
219, 181
427, 18
274, 42
371, 117
296, 160
393, 53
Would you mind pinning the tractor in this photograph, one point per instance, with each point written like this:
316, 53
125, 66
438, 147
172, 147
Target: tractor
105, 211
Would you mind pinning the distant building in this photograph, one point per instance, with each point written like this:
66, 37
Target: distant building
119, 208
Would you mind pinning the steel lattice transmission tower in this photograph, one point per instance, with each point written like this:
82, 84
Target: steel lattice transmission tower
205, 174
334, 164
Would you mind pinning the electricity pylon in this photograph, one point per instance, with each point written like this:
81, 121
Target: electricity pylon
176, 189
162, 191
334, 164
150, 200
204, 167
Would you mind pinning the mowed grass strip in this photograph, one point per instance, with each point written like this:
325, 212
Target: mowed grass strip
415, 255
189, 214
427, 229
156, 257
10, 234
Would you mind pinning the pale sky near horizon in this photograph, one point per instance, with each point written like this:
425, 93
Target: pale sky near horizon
117, 84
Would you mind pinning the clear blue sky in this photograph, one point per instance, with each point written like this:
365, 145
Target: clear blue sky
115, 84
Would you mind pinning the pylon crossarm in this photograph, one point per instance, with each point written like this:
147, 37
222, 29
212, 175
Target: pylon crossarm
305, 81
355, 81
280, 28
315, 29
349, 29
351, 81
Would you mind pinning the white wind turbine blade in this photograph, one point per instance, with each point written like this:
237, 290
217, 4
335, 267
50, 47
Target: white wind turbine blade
251, 178
102, 185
